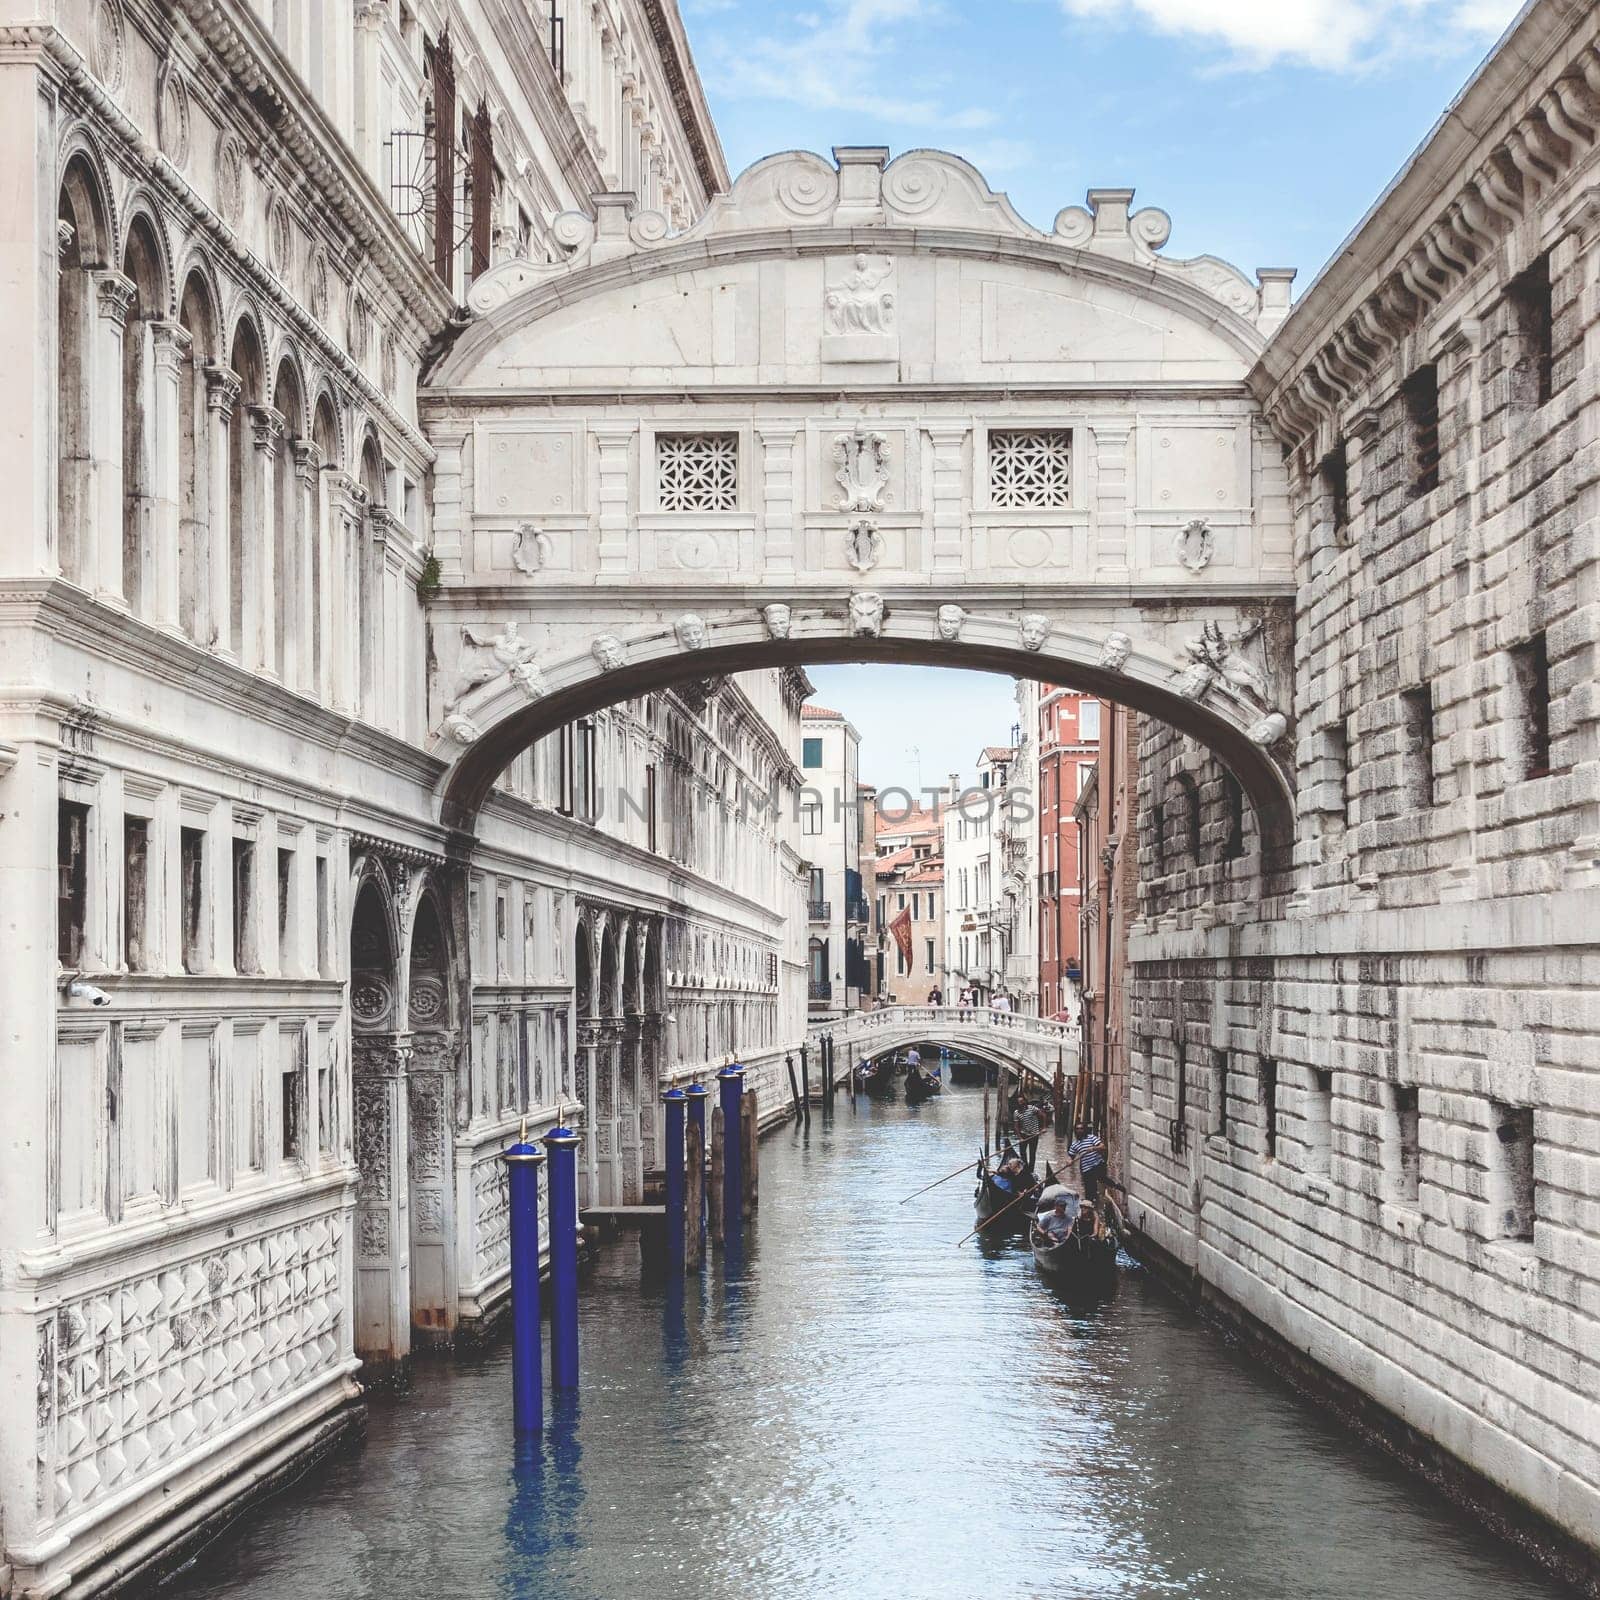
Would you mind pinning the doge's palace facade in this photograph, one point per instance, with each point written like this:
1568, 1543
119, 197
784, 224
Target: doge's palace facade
266, 1024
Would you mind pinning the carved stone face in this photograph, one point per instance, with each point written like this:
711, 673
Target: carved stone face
778, 619
1116, 650
866, 614
462, 729
1269, 730
950, 619
607, 650
1035, 626
691, 631
529, 680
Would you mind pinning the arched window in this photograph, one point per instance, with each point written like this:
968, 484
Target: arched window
197, 319
81, 235
244, 510
288, 582
142, 265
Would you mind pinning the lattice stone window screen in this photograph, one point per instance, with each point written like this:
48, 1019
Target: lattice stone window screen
1030, 469
697, 471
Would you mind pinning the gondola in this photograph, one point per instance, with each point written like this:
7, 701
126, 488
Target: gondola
991, 1198
876, 1078
921, 1085
1086, 1265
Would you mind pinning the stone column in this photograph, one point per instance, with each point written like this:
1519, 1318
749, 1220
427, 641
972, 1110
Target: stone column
588, 1057
222, 394
370, 18
170, 345
102, 548
256, 648
348, 502
949, 498
380, 1065
305, 643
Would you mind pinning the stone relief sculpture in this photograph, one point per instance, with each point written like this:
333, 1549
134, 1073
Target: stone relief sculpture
1034, 628
1115, 651
607, 650
1194, 545
866, 614
532, 550
861, 466
860, 303
504, 650
863, 545
778, 619
530, 680
1216, 658
1269, 730
949, 620
691, 631
462, 729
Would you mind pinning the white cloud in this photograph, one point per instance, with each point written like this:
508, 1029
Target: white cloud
1338, 35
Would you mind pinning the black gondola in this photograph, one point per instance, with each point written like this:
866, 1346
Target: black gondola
1081, 1262
876, 1077
921, 1085
995, 1195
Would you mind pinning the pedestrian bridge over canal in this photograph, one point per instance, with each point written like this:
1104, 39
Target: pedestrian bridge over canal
1026, 1044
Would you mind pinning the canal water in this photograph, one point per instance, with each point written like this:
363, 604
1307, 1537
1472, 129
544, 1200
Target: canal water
864, 1410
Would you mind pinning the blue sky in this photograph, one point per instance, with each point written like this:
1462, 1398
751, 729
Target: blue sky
1265, 128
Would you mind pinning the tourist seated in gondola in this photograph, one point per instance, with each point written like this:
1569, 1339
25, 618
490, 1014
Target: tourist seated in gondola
1086, 1225
1057, 1223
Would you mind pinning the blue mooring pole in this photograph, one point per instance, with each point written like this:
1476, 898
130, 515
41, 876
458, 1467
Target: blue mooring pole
562, 1143
731, 1080
696, 1095
676, 1103
527, 1350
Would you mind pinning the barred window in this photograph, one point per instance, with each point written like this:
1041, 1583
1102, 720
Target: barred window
698, 471
1030, 469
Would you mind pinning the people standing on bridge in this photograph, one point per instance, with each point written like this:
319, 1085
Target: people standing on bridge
1089, 1151
936, 996
1028, 1130
964, 999
1001, 1003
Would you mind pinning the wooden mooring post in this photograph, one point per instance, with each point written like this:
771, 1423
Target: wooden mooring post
805, 1080
752, 1151
694, 1200
714, 1188
794, 1086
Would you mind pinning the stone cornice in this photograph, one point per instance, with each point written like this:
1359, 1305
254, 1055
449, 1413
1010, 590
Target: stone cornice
688, 96
65, 613
1518, 132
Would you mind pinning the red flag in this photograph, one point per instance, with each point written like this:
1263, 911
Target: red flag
901, 929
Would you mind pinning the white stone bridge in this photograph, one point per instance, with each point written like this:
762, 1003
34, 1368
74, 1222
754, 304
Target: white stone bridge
1025, 1044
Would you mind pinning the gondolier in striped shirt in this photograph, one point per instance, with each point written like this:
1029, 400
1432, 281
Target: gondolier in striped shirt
1089, 1151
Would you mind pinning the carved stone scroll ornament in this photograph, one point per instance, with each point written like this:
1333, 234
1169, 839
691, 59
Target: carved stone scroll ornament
861, 462
1115, 651
863, 545
866, 614
950, 619
607, 650
1035, 629
532, 550
691, 631
1194, 545
778, 618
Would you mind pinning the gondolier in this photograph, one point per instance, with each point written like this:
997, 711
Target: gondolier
1089, 1151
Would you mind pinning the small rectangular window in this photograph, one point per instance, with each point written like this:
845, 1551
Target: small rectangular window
1512, 1169
811, 753
1180, 1088
1533, 332
192, 871
286, 917
1089, 722
930, 954
1421, 396
1408, 1142
697, 471
1269, 1105
811, 817
1219, 1093
1530, 674
135, 893
651, 809
1416, 719
72, 882
244, 870
1030, 469
1335, 474
292, 1115
565, 741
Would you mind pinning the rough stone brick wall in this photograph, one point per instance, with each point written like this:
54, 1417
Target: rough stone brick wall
1434, 959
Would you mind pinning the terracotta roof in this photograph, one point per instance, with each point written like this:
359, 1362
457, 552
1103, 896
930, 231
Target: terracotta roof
999, 752
819, 712
926, 872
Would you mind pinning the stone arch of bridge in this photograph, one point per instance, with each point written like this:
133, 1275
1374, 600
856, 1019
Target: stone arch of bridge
488, 728
985, 1050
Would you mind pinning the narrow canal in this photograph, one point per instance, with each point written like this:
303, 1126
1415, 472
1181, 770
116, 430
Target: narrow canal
865, 1412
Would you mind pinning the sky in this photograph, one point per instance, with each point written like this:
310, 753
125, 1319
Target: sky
1264, 128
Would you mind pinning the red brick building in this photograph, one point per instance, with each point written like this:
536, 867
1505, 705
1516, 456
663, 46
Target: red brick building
1069, 742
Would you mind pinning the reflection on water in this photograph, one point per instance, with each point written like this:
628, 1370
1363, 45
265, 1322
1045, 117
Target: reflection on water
864, 1411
